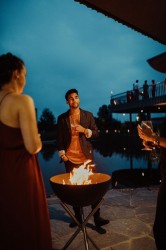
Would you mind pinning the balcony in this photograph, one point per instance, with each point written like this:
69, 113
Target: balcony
136, 101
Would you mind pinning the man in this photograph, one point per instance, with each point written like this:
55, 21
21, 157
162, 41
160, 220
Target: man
145, 90
75, 128
153, 86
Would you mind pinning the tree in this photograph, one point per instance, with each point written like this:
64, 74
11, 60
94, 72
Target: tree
104, 117
47, 120
105, 121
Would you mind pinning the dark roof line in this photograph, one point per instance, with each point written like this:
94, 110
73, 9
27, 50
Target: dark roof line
129, 25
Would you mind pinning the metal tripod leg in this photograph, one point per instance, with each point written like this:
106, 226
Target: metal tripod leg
81, 226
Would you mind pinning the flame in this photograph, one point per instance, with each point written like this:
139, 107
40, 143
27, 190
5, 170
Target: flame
80, 176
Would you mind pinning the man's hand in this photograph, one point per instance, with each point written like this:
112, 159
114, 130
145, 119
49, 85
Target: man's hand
80, 129
64, 158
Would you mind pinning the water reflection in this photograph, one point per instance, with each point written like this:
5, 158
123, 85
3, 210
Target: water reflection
121, 158
48, 150
123, 145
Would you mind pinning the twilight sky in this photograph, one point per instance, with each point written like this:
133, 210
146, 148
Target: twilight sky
66, 45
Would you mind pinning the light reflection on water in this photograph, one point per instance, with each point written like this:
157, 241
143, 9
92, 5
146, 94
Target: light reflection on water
50, 164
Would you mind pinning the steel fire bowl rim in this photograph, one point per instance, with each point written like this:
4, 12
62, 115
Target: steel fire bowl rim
80, 195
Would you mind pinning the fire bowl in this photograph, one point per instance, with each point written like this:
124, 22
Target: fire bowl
80, 195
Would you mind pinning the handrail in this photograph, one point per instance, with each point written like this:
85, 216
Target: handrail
139, 94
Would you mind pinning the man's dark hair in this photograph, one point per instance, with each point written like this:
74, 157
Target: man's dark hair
70, 91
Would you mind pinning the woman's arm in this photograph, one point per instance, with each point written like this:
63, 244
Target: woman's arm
28, 124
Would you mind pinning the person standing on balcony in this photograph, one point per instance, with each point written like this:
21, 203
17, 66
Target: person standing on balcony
136, 90
24, 216
145, 90
75, 129
165, 85
153, 86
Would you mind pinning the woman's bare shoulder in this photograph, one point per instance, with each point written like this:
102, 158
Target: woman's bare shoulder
25, 99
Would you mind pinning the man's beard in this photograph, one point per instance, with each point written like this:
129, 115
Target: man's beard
75, 106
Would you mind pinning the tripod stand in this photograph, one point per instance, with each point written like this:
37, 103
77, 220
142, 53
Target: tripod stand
81, 226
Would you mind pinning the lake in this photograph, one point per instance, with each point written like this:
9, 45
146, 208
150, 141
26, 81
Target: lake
128, 166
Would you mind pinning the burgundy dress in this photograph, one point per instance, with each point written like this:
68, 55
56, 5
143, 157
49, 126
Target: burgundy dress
24, 217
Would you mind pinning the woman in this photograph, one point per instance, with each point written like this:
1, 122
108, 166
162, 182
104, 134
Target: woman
159, 228
24, 217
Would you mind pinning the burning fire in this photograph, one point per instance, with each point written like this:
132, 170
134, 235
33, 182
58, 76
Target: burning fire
80, 176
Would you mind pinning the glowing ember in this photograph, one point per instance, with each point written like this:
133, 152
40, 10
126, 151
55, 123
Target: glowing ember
80, 176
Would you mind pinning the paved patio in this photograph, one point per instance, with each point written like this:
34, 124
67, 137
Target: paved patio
130, 211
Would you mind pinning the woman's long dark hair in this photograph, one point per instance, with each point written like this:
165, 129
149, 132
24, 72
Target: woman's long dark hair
8, 64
